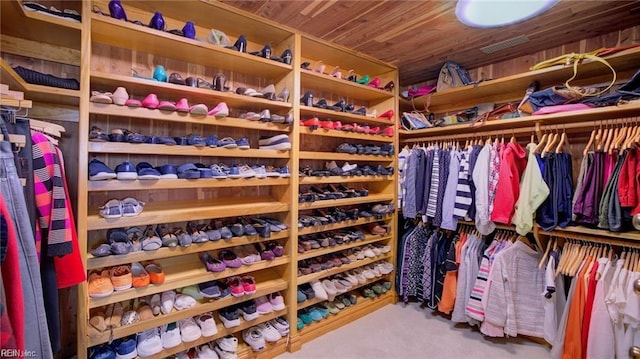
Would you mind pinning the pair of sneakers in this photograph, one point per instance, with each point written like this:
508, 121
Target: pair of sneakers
257, 336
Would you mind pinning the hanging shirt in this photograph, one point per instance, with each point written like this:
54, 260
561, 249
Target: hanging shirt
448, 201
494, 172
508, 190
409, 204
601, 340
533, 192
481, 182
463, 189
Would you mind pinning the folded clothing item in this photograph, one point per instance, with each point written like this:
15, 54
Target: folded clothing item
38, 78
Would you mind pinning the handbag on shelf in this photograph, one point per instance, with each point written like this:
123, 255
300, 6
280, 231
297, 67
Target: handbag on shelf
574, 59
452, 75
553, 96
415, 120
464, 116
507, 110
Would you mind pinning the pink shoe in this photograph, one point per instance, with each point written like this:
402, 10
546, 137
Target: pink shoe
220, 111
133, 103
276, 301
199, 109
235, 285
182, 105
249, 285
167, 106
388, 131
151, 101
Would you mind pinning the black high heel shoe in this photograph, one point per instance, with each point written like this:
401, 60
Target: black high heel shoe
307, 99
322, 103
265, 52
389, 86
339, 106
287, 56
241, 44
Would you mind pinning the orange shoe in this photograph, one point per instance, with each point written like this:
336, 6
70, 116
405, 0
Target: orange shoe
156, 274
100, 285
121, 277
313, 123
140, 277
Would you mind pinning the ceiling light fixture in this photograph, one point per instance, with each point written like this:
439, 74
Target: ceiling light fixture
496, 13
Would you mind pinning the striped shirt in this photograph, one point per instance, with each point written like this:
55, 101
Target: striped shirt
463, 190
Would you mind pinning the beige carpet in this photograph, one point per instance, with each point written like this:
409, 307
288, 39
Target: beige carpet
397, 332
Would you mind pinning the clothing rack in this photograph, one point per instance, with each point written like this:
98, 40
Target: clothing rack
592, 239
537, 130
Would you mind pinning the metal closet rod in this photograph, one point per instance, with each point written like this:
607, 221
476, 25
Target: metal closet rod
591, 239
528, 130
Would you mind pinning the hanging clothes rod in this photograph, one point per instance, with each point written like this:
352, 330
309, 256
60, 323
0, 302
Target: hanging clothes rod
568, 127
591, 239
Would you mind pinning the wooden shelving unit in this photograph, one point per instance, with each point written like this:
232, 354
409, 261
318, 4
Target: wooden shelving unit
337, 270
105, 50
310, 302
511, 88
38, 93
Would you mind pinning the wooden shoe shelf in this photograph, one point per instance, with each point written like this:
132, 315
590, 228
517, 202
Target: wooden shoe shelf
106, 50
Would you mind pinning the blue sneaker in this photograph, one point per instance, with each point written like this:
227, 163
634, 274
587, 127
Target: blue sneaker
205, 172
168, 171
125, 348
234, 172
218, 172
227, 142
188, 171
211, 141
195, 140
284, 171
278, 142
126, 171
99, 171
103, 351
243, 143
146, 171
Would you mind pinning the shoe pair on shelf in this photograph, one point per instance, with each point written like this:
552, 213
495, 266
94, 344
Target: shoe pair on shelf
104, 282
269, 93
267, 116
349, 76
386, 149
314, 123
257, 337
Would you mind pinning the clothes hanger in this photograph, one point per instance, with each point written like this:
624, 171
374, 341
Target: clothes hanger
590, 143
563, 139
552, 142
543, 260
46, 127
541, 144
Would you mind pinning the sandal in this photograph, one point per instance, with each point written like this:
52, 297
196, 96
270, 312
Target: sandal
111, 209
101, 97
96, 134
131, 207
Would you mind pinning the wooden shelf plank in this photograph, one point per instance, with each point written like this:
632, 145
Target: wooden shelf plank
109, 31
149, 149
512, 88
222, 331
344, 88
5, 101
266, 282
601, 113
186, 272
344, 134
333, 271
144, 185
148, 114
344, 117
166, 252
322, 251
346, 201
316, 300
177, 211
37, 93
109, 82
343, 224
343, 179
328, 156
31, 25
628, 236
363, 306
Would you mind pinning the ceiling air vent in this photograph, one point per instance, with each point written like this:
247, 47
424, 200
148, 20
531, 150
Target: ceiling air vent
498, 46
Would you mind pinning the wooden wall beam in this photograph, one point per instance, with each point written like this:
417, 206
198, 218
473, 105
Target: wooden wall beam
39, 50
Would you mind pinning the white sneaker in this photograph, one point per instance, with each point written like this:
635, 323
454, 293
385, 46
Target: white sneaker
330, 288
207, 324
385, 267
245, 172
184, 302
351, 278
149, 343
155, 304
319, 290
182, 355
167, 299
205, 352
281, 325
368, 252
170, 335
189, 330
227, 347
269, 333
261, 171
347, 167
254, 338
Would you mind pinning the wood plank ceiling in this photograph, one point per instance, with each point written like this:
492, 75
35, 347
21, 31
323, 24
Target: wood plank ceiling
418, 36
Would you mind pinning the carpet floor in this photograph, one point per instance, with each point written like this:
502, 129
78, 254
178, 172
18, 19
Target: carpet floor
399, 332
